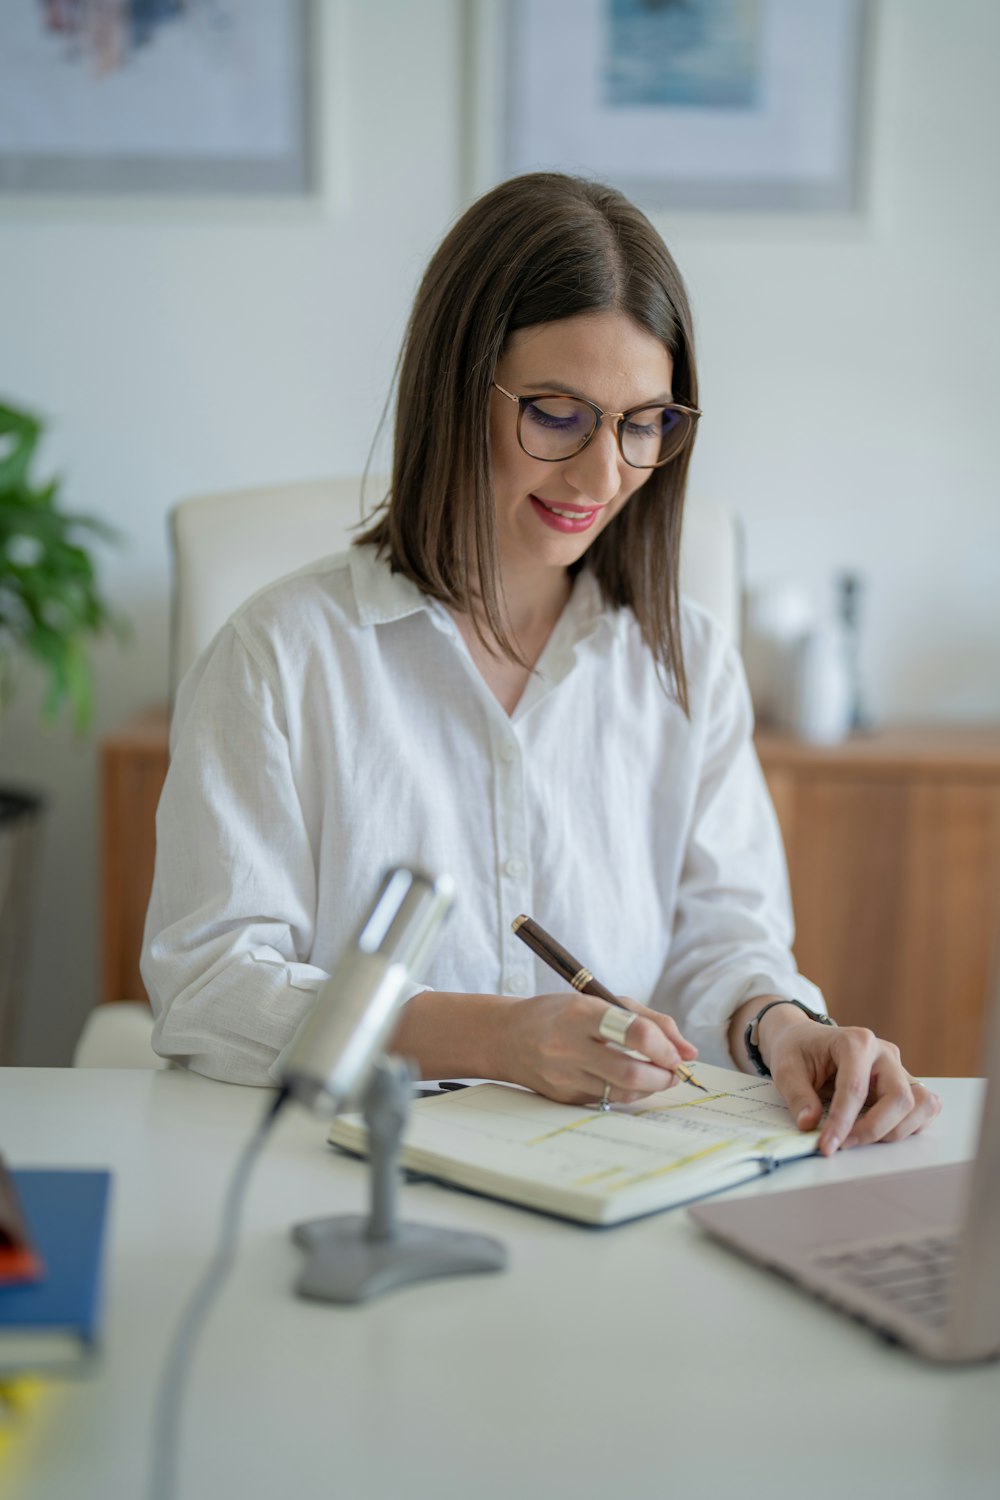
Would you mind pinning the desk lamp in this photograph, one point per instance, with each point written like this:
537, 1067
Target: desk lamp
336, 1060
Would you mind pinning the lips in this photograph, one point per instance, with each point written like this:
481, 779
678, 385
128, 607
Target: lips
565, 518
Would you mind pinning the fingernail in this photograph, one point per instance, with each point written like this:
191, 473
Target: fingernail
802, 1116
832, 1144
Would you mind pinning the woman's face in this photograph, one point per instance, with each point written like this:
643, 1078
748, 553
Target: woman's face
548, 514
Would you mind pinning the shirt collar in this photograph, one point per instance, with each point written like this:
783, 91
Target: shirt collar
587, 610
383, 596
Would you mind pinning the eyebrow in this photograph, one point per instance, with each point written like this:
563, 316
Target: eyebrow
559, 387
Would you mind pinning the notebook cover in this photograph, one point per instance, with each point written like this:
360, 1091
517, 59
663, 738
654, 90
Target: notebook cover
66, 1213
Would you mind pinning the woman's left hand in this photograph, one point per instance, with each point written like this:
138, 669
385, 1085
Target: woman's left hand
853, 1069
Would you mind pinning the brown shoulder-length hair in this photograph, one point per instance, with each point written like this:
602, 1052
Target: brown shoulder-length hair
536, 249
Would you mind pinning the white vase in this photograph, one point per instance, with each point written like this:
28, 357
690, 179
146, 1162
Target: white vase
779, 616
822, 689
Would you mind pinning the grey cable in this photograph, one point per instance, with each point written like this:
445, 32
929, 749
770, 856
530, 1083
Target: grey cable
176, 1368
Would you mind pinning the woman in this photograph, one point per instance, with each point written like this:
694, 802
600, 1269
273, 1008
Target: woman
501, 682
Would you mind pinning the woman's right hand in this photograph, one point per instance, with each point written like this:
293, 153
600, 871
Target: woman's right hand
552, 1044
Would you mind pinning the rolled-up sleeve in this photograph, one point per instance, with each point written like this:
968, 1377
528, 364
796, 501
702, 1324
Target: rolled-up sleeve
233, 904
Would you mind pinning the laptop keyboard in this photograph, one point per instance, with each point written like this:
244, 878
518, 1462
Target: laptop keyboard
912, 1274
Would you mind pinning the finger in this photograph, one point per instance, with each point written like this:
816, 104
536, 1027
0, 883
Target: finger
619, 1096
795, 1086
894, 1102
648, 1040
580, 1060
627, 1074
926, 1107
666, 1025
615, 1096
854, 1059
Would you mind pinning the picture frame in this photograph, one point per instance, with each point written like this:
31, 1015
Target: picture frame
89, 98
732, 105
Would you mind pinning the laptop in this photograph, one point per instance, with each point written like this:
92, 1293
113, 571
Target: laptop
914, 1254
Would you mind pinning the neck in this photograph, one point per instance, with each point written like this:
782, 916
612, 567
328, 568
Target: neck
535, 603
532, 605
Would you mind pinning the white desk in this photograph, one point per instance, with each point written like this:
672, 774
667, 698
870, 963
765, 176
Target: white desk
641, 1358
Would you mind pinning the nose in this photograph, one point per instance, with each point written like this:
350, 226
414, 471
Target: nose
596, 471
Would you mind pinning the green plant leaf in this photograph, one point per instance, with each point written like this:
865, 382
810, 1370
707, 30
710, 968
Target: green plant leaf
50, 602
19, 434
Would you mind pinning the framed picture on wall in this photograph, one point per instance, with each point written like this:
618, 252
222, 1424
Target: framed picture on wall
687, 104
154, 96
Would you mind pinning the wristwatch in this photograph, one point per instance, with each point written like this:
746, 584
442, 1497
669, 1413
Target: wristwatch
752, 1033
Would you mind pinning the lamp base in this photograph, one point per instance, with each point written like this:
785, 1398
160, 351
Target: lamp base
347, 1265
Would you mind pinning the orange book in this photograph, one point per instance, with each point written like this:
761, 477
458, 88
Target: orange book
19, 1261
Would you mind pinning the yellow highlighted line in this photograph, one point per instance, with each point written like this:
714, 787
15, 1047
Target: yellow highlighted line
594, 1116
660, 1109
550, 1135
673, 1166
597, 1176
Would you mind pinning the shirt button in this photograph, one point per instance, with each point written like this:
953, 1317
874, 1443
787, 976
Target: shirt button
507, 752
517, 984
514, 867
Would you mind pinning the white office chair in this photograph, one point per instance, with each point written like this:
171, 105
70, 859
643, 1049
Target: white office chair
117, 1034
226, 546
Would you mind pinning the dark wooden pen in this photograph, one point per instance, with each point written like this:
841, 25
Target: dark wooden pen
570, 969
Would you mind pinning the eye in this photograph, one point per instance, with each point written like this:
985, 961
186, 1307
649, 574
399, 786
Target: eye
644, 429
652, 422
558, 414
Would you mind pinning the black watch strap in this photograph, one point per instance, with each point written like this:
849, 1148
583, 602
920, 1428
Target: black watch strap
751, 1034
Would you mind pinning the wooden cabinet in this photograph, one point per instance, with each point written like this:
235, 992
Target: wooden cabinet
133, 768
893, 844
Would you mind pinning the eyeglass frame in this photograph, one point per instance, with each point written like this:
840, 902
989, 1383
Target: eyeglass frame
618, 417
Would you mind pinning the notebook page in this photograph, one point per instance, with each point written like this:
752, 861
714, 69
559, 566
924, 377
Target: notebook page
506, 1129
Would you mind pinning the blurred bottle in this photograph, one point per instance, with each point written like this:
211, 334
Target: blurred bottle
849, 590
828, 700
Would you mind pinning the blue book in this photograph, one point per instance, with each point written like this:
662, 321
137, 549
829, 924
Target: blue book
51, 1325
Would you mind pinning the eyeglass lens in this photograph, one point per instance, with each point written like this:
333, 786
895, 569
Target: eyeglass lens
554, 427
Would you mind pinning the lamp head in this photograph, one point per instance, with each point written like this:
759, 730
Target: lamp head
330, 1060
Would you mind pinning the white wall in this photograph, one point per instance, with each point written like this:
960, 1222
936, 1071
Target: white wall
850, 377
851, 372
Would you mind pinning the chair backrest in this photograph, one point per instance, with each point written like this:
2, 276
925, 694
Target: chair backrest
228, 545
712, 562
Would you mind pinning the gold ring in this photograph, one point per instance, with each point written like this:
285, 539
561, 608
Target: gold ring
614, 1025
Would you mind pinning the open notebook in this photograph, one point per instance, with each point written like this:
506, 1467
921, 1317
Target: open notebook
598, 1167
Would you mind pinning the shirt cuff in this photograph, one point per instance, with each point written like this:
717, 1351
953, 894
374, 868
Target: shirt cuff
712, 1041
277, 1069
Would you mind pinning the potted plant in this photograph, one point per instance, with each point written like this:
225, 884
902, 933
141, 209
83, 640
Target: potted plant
50, 609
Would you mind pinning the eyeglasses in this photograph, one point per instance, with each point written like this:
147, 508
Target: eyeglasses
552, 427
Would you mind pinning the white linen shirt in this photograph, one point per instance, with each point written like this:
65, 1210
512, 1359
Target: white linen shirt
337, 725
